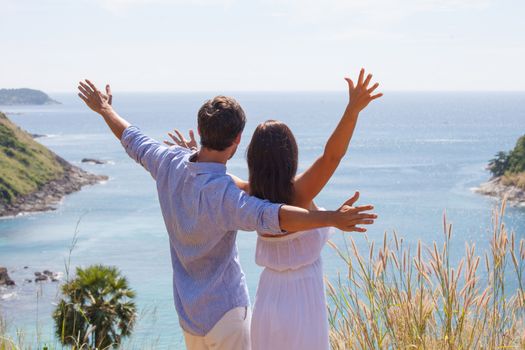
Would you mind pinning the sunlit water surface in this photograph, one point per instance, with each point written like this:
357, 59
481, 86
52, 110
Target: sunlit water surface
413, 155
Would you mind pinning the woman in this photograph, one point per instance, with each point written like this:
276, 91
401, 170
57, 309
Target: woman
290, 305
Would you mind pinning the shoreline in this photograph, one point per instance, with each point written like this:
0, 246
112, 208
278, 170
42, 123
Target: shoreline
49, 196
495, 188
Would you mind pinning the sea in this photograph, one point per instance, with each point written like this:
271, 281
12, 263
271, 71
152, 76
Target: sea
416, 156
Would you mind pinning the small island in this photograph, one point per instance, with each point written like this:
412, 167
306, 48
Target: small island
10, 97
32, 178
508, 171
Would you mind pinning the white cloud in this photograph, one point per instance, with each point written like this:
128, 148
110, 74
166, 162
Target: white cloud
368, 20
453, 5
316, 11
124, 4
363, 34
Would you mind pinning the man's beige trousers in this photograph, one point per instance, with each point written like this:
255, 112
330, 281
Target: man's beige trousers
232, 332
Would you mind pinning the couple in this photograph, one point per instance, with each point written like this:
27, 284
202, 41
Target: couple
203, 207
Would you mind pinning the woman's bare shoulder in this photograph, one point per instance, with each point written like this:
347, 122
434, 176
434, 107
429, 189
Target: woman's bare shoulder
301, 203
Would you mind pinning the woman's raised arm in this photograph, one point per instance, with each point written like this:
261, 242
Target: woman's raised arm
311, 182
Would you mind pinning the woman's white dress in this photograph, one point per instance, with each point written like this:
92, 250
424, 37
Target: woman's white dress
290, 306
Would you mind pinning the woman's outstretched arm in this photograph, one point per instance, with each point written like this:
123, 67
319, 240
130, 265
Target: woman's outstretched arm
242, 184
311, 182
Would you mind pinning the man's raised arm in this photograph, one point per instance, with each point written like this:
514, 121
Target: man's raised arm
100, 103
143, 149
348, 218
248, 213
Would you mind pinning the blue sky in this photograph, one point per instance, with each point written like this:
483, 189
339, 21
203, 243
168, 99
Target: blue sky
234, 45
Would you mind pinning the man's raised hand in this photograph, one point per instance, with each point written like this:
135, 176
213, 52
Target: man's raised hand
93, 97
101, 103
350, 217
360, 93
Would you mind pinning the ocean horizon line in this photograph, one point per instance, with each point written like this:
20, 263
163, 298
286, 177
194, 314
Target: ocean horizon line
287, 91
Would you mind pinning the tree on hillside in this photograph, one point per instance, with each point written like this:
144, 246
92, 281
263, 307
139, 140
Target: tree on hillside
97, 308
498, 165
517, 157
512, 162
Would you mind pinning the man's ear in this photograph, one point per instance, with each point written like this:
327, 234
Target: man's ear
237, 140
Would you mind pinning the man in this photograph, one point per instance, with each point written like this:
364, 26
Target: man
203, 209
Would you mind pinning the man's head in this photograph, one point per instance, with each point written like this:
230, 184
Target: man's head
221, 121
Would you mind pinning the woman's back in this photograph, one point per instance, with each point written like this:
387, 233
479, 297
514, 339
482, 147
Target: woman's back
290, 306
291, 252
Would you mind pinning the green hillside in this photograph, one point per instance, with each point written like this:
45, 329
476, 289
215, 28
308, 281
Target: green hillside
516, 160
510, 166
25, 165
24, 97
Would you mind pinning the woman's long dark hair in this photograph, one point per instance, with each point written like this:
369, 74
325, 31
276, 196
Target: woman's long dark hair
272, 162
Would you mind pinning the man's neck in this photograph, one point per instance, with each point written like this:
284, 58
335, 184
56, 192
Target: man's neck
206, 155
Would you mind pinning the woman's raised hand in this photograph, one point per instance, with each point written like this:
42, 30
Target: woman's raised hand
360, 93
181, 141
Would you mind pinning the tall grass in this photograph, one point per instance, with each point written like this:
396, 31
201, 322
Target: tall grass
6, 342
393, 299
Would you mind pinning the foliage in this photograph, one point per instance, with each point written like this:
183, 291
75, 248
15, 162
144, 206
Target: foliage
512, 162
499, 165
97, 308
25, 165
517, 157
390, 299
24, 97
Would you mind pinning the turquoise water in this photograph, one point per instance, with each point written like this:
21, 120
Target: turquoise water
414, 155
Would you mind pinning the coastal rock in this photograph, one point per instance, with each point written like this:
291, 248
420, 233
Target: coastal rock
93, 161
41, 278
496, 188
5, 280
46, 275
50, 194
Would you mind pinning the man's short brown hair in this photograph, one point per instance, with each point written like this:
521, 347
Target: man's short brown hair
220, 120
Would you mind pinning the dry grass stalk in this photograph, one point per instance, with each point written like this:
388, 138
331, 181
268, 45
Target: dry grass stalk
392, 299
